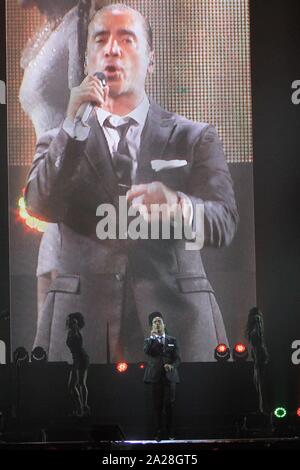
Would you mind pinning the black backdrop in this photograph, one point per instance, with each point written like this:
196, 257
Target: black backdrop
4, 278
275, 47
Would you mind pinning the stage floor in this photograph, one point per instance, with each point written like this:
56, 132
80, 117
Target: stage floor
151, 446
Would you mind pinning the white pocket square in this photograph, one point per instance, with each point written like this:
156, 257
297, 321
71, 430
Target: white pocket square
158, 165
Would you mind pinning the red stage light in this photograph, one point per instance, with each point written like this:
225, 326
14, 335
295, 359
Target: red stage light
240, 352
298, 412
221, 348
142, 366
222, 352
122, 367
240, 348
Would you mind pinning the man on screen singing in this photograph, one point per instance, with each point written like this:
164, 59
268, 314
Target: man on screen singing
128, 144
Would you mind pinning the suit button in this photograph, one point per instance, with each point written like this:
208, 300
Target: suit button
119, 276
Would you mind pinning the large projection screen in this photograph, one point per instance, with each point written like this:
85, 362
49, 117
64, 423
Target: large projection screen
202, 71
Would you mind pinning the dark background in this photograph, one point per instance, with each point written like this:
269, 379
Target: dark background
275, 47
4, 278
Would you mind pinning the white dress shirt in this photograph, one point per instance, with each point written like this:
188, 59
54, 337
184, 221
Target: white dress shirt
133, 135
160, 338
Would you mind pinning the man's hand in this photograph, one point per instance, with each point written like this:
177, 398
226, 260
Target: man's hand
168, 367
154, 193
154, 331
89, 91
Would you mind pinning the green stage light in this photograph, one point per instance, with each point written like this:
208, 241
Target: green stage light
280, 412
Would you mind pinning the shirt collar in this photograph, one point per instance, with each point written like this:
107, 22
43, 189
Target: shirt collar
139, 114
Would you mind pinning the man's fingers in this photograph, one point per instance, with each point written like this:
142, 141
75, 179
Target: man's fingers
138, 200
106, 92
91, 78
87, 79
154, 192
90, 90
91, 96
94, 83
136, 190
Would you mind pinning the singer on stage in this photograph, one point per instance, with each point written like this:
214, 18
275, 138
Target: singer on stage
105, 148
161, 372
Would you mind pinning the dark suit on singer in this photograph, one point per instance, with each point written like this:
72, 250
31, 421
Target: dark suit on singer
117, 282
161, 351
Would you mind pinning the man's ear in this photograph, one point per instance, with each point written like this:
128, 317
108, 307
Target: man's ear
151, 62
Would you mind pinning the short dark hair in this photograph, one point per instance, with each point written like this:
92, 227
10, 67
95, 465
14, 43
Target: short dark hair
75, 316
154, 315
122, 6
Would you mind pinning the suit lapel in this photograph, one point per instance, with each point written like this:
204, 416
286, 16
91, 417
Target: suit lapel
167, 339
101, 162
164, 344
156, 134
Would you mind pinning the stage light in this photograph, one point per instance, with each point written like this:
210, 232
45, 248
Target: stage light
280, 412
142, 366
298, 412
32, 222
38, 354
240, 352
222, 352
122, 367
21, 356
240, 348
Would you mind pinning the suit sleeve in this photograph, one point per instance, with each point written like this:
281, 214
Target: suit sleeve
176, 358
50, 182
212, 186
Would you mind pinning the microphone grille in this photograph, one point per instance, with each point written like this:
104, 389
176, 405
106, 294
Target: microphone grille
101, 77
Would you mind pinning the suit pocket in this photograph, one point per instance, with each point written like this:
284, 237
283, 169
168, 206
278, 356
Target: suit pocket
188, 284
66, 283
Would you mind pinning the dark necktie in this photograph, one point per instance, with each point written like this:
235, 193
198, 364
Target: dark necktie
122, 160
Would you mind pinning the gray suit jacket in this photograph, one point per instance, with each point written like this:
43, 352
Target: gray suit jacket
67, 182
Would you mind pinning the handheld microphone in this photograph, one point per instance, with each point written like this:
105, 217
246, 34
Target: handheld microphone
85, 109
